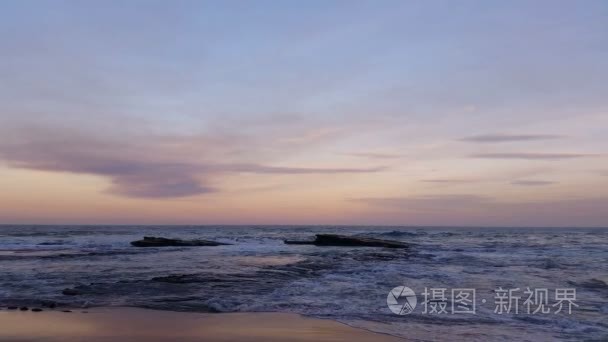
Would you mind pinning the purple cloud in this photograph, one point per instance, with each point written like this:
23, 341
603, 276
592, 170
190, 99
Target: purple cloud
499, 138
531, 156
374, 155
137, 170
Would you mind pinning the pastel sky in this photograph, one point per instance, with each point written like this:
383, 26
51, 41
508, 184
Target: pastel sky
485, 113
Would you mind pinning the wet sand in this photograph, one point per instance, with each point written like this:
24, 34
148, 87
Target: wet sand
131, 324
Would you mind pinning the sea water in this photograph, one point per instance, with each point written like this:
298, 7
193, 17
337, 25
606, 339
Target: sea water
258, 272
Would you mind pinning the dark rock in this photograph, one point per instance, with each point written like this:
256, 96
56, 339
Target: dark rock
12, 308
71, 292
24, 308
80, 289
48, 304
51, 243
151, 241
392, 255
177, 279
66, 310
36, 309
349, 241
300, 242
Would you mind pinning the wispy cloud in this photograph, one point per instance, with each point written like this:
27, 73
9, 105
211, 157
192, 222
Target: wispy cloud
499, 138
150, 170
448, 181
430, 203
532, 182
374, 155
476, 209
255, 168
531, 156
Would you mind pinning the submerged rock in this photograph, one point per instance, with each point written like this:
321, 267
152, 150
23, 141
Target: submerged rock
300, 242
36, 309
48, 304
350, 241
152, 241
177, 279
71, 292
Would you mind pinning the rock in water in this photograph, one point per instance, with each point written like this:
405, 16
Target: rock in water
342, 240
300, 242
152, 241
49, 304
70, 292
350, 241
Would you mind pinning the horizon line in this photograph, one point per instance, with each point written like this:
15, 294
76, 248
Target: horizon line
298, 225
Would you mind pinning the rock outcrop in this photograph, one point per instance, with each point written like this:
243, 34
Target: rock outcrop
349, 241
152, 241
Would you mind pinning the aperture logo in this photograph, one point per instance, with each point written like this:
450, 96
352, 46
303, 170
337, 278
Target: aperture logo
401, 300
513, 301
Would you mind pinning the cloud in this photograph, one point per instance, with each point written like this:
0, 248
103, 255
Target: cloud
448, 181
430, 203
255, 168
154, 169
374, 155
531, 156
158, 185
532, 182
132, 176
482, 210
498, 138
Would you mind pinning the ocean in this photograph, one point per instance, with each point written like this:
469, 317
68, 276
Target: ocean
259, 273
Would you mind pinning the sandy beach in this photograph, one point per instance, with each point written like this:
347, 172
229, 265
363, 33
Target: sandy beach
132, 324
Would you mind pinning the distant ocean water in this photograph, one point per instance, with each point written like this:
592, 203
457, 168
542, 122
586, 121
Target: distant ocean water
260, 273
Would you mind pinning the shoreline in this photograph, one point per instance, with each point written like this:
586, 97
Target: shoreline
135, 324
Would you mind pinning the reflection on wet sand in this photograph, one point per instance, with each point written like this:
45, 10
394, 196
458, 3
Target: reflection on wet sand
130, 324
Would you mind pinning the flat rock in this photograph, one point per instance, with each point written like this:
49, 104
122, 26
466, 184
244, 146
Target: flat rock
349, 241
152, 241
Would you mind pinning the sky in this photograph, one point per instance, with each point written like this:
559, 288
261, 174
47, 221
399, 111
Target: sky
448, 113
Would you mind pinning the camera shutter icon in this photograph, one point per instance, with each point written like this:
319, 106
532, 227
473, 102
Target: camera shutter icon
401, 300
